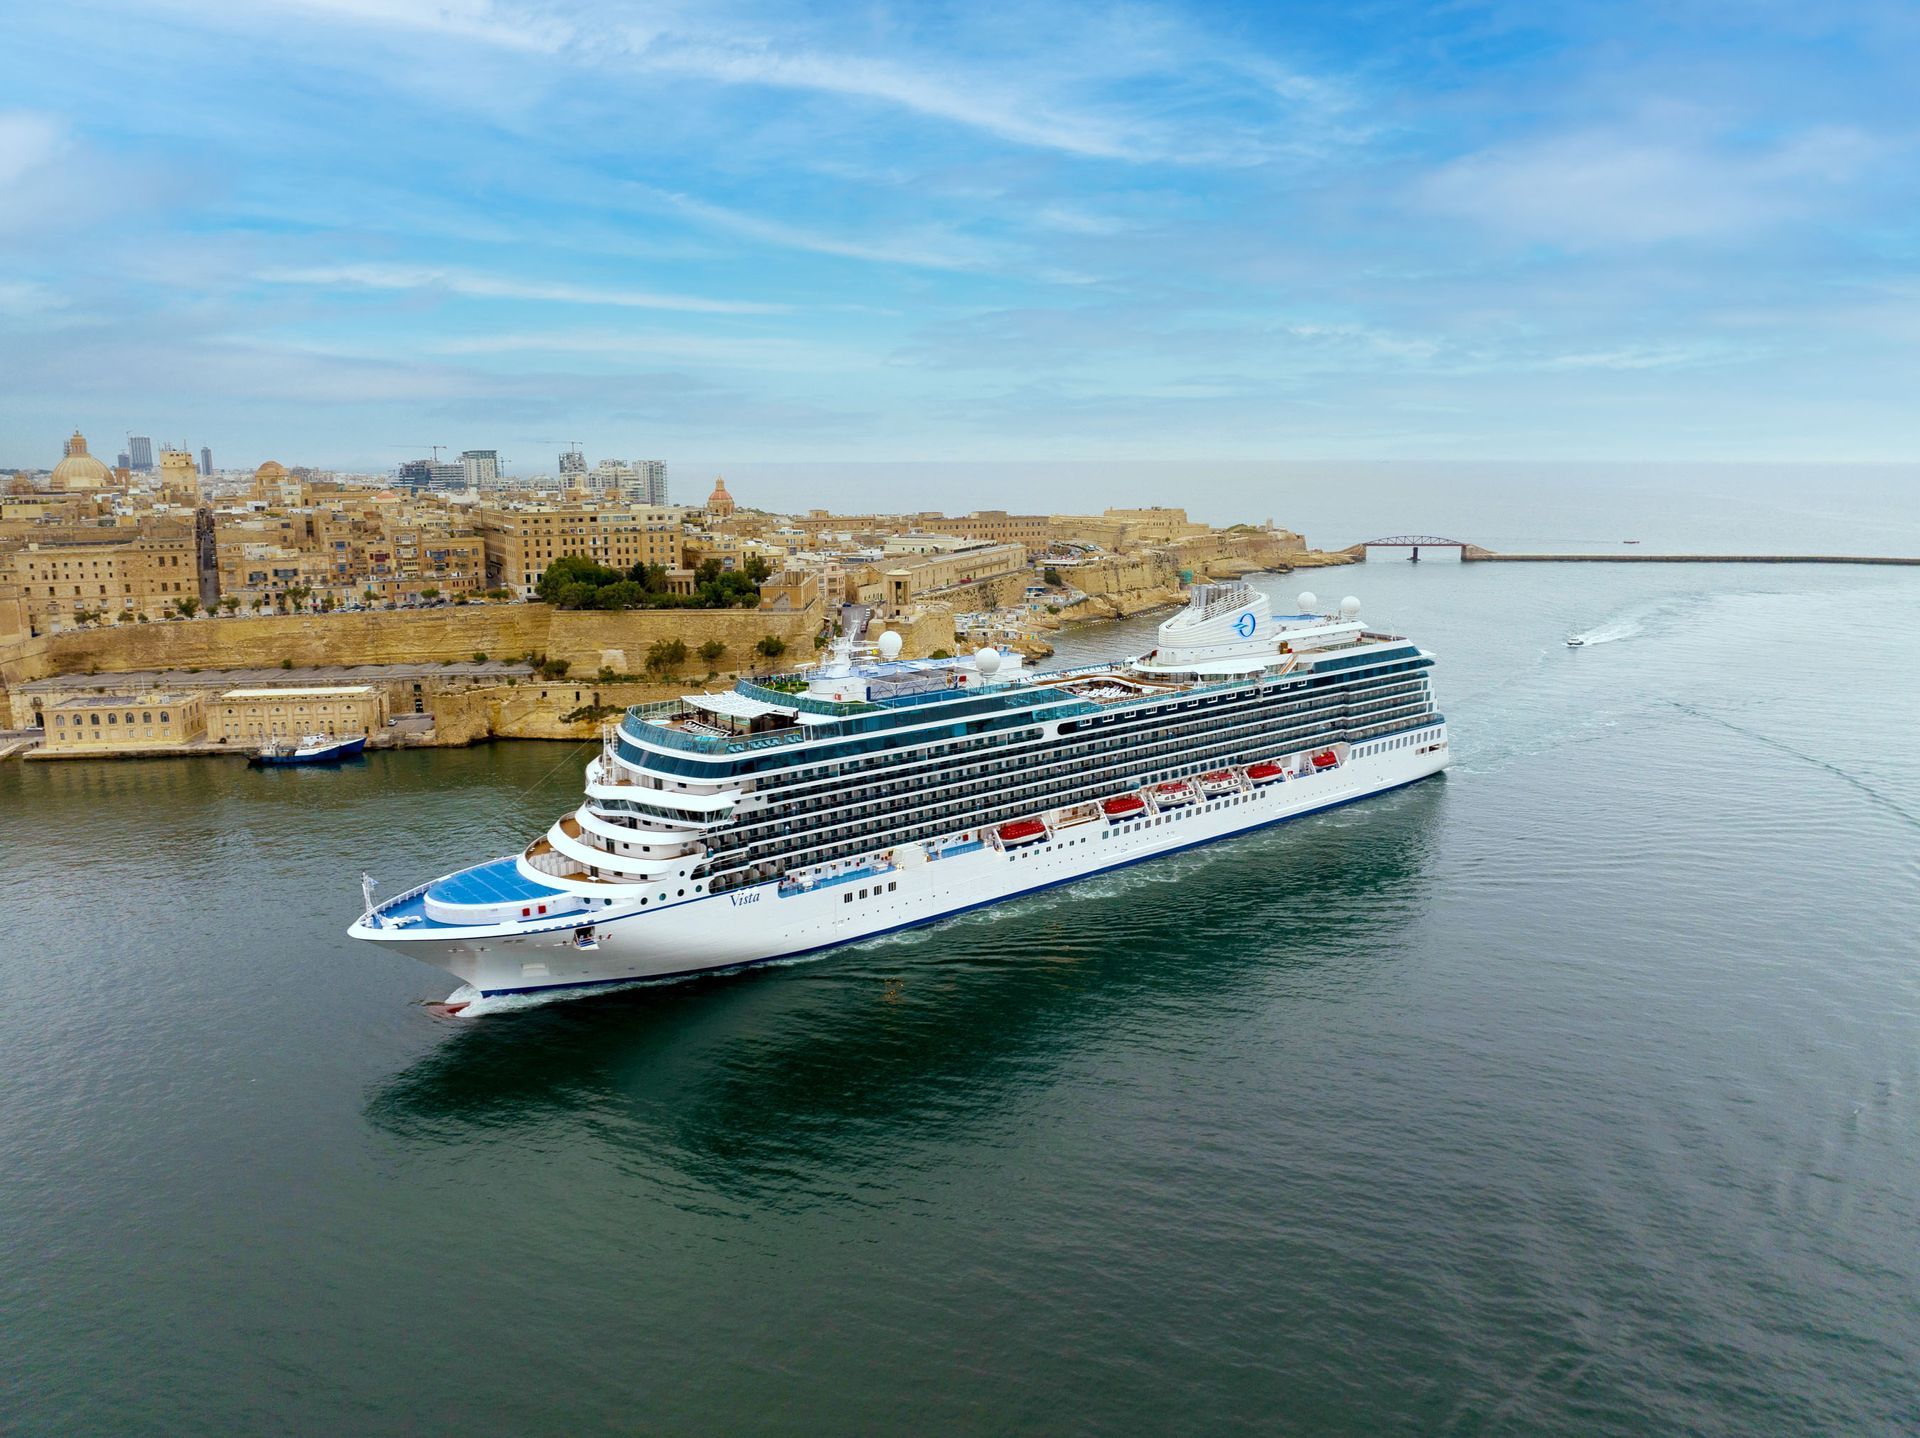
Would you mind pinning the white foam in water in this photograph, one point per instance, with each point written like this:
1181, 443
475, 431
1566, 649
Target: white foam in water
1608, 633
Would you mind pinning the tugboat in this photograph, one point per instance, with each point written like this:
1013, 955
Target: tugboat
310, 749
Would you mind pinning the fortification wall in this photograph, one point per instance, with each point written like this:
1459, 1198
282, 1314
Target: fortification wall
587, 640
923, 632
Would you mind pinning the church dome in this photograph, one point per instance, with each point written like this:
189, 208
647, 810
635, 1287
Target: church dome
719, 502
80, 470
272, 469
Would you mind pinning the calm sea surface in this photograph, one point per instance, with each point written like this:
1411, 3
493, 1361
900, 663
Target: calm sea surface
1575, 1092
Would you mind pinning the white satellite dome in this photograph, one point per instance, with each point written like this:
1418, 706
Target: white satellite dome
890, 645
1350, 608
987, 661
1306, 600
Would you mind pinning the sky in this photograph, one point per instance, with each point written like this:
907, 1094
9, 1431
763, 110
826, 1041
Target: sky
335, 232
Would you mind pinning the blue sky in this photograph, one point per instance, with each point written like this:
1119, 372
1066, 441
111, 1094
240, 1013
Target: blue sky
334, 231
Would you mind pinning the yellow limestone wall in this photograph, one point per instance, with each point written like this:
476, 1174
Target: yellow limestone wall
588, 640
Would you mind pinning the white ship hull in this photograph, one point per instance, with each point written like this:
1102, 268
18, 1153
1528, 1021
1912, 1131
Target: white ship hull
762, 922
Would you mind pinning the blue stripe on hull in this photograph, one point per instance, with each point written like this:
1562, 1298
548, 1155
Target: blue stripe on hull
963, 909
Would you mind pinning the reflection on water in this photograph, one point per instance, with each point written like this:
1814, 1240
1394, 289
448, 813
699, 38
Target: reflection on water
752, 1081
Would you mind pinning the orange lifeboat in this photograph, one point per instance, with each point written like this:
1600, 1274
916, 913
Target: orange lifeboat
1021, 831
1325, 759
1264, 773
1124, 806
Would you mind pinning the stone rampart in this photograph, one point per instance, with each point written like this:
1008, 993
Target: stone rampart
587, 640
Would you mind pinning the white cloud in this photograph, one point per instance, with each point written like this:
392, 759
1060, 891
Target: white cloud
749, 352
940, 250
1643, 185
482, 286
28, 141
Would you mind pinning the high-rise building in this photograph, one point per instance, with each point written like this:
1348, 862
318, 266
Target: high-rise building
650, 481
449, 474
572, 461
415, 474
206, 460
481, 467
124, 461
139, 452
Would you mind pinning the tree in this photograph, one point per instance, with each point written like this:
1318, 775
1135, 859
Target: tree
666, 655
568, 571
711, 651
369, 594
771, 645
1052, 577
430, 593
328, 604
230, 602
479, 656
259, 602
187, 607
757, 568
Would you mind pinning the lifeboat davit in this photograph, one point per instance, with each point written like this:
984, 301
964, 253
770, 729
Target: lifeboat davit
1124, 806
1021, 831
1325, 759
1173, 794
1264, 773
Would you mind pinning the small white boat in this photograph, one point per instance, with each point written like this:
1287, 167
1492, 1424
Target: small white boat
1574, 641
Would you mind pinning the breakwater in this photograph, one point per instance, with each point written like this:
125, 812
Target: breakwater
1483, 556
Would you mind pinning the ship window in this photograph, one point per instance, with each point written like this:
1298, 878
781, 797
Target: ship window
846, 898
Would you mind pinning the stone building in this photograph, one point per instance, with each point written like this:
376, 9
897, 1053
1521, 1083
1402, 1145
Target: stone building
522, 540
251, 716
75, 572
893, 586
996, 526
125, 721
78, 471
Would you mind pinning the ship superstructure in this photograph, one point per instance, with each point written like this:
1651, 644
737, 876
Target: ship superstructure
871, 793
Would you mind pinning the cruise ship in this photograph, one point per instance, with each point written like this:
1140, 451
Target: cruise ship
795, 814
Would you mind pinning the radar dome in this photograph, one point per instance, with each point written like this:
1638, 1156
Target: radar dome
1306, 600
987, 661
890, 645
1349, 608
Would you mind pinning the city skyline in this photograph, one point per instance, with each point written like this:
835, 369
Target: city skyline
1578, 232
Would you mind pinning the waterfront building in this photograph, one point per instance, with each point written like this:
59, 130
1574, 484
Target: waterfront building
252, 716
125, 721
406, 688
480, 468
521, 540
139, 453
